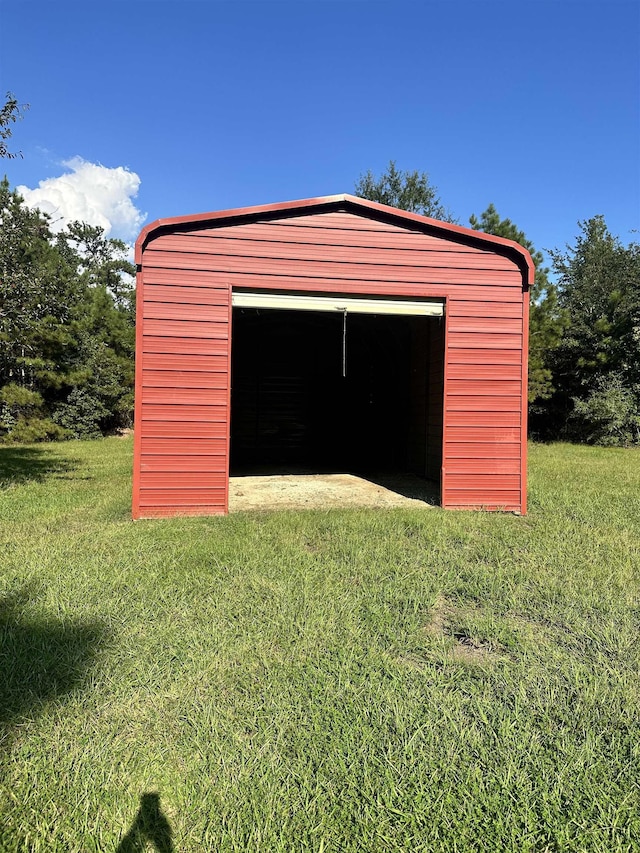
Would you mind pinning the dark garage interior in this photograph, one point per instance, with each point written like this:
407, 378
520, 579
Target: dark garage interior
313, 392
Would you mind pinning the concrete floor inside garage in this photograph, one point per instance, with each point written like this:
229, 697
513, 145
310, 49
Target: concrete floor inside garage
327, 491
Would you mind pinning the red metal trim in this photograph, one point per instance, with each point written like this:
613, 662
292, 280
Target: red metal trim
137, 417
525, 401
446, 228
228, 435
445, 409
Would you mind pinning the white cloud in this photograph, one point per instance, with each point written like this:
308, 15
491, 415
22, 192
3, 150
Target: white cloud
91, 193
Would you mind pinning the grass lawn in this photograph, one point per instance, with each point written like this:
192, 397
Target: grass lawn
329, 681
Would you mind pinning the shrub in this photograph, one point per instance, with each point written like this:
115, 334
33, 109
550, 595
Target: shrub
34, 429
82, 415
17, 404
17, 400
610, 415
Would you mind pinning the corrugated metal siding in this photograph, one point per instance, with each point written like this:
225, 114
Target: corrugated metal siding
182, 399
184, 346
483, 401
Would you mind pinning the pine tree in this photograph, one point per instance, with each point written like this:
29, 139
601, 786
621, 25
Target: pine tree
10, 112
100, 398
597, 365
410, 191
546, 318
38, 291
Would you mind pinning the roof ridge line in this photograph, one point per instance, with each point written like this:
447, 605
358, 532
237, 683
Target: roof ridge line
321, 201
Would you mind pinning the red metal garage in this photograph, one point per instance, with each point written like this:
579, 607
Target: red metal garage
357, 335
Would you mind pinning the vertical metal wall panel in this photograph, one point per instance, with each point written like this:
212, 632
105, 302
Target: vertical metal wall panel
476, 413
480, 397
182, 397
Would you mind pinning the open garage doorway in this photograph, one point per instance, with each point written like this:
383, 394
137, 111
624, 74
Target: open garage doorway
338, 392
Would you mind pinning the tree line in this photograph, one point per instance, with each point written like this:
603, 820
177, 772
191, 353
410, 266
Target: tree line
584, 325
67, 321
67, 328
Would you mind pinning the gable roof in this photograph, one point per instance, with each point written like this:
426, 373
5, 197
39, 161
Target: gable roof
350, 204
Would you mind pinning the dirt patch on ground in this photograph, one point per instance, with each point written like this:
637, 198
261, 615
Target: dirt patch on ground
466, 648
324, 491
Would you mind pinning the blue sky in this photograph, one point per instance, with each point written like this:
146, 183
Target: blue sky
534, 106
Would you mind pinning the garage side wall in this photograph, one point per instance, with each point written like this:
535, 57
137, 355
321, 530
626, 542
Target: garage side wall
182, 414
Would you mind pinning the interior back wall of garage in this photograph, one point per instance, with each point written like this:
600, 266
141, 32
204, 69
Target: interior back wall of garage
292, 407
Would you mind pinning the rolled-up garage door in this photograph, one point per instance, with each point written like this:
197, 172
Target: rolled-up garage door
350, 304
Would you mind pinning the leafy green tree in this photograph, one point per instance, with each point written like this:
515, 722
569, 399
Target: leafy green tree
103, 261
597, 365
38, 291
9, 114
66, 321
21, 416
546, 318
66, 327
410, 191
102, 370
609, 415
100, 399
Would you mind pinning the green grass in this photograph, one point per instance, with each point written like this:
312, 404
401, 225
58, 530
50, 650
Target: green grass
361, 680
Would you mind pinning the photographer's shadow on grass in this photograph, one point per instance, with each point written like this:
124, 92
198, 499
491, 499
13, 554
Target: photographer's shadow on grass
150, 827
42, 659
19, 464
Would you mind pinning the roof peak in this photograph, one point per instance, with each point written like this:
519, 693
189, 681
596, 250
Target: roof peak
289, 207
